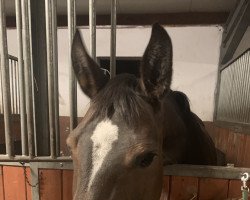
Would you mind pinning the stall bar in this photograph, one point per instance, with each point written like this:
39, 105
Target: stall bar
26, 80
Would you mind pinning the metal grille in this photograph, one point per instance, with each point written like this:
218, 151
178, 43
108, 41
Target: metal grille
14, 87
234, 92
17, 82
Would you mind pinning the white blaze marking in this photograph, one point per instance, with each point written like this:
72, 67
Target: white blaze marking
104, 135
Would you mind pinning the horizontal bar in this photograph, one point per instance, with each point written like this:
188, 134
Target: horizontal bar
5, 158
176, 19
12, 57
221, 172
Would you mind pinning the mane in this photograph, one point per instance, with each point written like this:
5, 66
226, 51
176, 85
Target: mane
120, 97
182, 101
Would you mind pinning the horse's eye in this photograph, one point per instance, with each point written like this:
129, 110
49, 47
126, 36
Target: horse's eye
145, 160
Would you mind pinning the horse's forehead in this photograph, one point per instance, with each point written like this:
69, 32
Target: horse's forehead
103, 137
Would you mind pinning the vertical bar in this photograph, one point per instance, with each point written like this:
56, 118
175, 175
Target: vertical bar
5, 80
15, 85
92, 28
21, 79
28, 76
72, 79
32, 80
39, 61
56, 89
11, 86
113, 40
17, 91
50, 63
1, 96
246, 112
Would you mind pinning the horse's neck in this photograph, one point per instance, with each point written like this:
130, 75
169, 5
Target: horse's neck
173, 130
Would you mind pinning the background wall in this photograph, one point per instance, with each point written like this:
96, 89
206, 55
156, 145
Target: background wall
196, 57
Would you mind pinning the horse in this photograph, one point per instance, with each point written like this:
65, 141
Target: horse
133, 127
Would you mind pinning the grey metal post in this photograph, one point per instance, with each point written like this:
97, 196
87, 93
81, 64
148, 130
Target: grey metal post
11, 87
39, 60
92, 28
56, 89
5, 80
72, 79
113, 40
50, 65
32, 78
28, 75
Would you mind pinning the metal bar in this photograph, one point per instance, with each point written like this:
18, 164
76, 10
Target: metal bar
50, 65
247, 111
92, 28
1, 95
39, 60
5, 80
205, 171
56, 89
28, 76
5, 158
72, 79
245, 89
113, 39
32, 79
12, 57
18, 86
34, 180
11, 86
15, 86
21, 79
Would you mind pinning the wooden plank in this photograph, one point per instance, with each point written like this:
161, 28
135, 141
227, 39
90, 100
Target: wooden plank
194, 18
213, 189
28, 187
165, 188
67, 183
240, 157
231, 148
246, 159
183, 188
14, 183
224, 133
1, 184
50, 184
234, 189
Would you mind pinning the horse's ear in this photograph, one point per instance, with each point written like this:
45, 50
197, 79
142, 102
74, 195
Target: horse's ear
89, 75
156, 65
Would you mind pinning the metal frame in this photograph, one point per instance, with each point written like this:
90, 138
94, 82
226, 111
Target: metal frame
235, 126
34, 127
234, 30
5, 81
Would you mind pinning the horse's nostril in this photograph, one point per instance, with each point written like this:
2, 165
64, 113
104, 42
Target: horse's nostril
145, 160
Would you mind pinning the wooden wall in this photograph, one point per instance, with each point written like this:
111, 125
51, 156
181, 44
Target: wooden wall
235, 145
186, 188
57, 185
53, 184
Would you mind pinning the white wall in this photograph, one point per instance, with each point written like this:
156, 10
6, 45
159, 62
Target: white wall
196, 56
